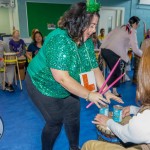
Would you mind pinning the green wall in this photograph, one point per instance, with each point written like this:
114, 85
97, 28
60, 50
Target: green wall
39, 14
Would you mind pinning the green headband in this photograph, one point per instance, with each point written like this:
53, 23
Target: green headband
92, 6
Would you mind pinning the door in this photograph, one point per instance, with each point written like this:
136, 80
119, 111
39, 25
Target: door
110, 18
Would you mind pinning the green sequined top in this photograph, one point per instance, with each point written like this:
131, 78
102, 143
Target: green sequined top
60, 52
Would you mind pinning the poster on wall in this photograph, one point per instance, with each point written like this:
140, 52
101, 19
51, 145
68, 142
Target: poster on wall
51, 26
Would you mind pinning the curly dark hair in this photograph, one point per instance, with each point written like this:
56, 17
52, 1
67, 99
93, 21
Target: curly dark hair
76, 20
37, 32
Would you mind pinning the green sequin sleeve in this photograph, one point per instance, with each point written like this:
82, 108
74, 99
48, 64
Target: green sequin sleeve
58, 52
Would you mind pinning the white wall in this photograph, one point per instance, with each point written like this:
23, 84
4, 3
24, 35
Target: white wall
14, 17
9, 18
4, 21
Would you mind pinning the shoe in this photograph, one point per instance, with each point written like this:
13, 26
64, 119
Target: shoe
6, 84
9, 88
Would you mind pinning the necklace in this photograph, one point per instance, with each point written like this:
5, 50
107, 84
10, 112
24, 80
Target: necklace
80, 58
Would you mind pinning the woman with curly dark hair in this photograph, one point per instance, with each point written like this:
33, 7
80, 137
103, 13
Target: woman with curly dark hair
53, 74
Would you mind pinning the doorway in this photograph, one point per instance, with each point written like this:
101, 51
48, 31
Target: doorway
110, 18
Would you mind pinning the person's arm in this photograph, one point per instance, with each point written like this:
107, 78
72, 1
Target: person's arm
136, 131
76, 88
134, 44
29, 55
129, 110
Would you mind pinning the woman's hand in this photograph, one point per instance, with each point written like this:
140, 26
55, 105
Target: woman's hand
125, 111
100, 120
97, 98
110, 95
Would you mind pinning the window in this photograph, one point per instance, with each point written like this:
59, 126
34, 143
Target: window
145, 2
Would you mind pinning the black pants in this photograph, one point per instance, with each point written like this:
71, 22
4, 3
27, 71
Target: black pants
57, 112
111, 58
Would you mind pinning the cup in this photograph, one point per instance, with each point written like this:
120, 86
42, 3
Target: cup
117, 113
104, 110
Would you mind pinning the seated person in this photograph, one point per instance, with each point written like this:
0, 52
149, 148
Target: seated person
137, 131
34, 47
17, 45
10, 69
33, 31
102, 36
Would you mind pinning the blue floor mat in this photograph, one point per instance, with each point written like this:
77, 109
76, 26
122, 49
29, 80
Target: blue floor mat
23, 123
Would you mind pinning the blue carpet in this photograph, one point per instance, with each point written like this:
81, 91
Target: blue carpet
23, 123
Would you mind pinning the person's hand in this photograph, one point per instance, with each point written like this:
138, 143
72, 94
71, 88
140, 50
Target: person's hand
22, 56
126, 111
97, 98
100, 120
110, 95
17, 53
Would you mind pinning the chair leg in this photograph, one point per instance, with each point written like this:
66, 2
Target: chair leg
4, 77
15, 77
19, 76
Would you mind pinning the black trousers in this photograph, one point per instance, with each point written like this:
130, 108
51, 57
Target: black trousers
56, 112
111, 58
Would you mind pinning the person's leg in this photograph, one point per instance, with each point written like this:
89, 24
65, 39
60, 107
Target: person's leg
10, 73
111, 58
72, 121
99, 145
52, 111
49, 134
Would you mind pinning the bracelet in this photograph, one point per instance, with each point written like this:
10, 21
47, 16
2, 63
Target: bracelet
87, 98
